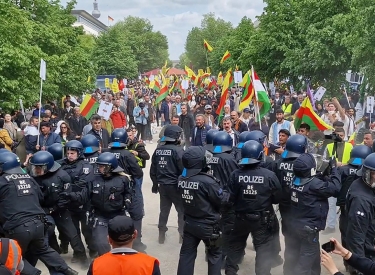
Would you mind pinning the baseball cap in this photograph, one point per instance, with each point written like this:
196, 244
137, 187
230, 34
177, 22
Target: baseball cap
121, 229
246, 110
207, 107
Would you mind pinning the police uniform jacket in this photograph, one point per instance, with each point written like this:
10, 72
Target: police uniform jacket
254, 189
202, 196
166, 164
221, 165
81, 174
20, 198
360, 206
348, 175
52, 185
309, 202
127, 161
283, 169
109, 194
91, 158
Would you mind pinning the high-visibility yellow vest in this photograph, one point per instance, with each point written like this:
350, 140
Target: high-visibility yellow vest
346, 154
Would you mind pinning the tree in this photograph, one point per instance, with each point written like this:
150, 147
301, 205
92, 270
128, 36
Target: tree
212, 30
184, 61
113, 54
150, 48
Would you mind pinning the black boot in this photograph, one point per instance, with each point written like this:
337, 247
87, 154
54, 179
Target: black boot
161, 237
64, 248
139, 246
70, 271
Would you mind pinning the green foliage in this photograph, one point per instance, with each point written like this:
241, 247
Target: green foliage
212, 30
29, 31
184, 61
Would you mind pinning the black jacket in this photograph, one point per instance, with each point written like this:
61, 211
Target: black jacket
127, 161
348, 175
104, 138
221, 165
254, 189
77, 124
91, 158
202, 197
362, 264
166, 164
360, 207
309, 202
20, 198
139, 147
187, 124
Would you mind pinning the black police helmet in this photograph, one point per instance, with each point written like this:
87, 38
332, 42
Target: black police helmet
295, 146
304, 167
57, 151
10, 164
242, 139
110, 160
119, 138
222, 142
367, 169
256, 135
358, 154
210, 136
251, 152
193, 160
90, 144
171, 133
45, 160
74, 145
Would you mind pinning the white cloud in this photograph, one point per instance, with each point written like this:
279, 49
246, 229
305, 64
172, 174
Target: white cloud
174, 18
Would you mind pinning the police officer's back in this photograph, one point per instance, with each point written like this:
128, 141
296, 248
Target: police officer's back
22, 217
360, 205
241, 141
166, 167
308, 212
91, 148
253, 191
202, 197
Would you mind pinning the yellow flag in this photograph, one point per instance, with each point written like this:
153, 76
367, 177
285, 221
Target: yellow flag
89, 79
200, 72
106, 83
220, 78
208, 70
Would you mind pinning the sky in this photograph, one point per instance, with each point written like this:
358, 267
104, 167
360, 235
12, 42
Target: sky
174, 18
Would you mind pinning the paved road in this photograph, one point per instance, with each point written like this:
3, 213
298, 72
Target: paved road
168, 253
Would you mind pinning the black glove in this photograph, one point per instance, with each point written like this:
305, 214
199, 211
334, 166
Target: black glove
332, 162
69, 196
155, 188
127, 203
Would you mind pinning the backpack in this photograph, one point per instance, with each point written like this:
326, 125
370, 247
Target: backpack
4, 256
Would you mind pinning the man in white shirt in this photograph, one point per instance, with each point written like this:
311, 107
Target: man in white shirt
279, 124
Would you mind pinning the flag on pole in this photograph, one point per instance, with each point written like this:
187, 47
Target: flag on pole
89, 106
163, 91
248, 92
224, 93
306, 114
261, 96
207, 46
310, 95
225, 57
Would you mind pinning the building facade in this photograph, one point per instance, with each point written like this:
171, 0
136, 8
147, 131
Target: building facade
90, 24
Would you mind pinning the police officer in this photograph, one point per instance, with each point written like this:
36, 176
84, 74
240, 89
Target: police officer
261, 138
253, 190
128, 162
91, 148
241, 141
283, 168
308, 212
221, 164
360, 205
202, 197
53, 181
348, 175
81, 175
111, 194
210, 138
57, 151
166, 167
22, 217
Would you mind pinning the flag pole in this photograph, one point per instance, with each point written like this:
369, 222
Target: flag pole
207, 57
40, 107
256, 107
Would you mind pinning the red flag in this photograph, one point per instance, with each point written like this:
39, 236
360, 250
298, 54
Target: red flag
121, 85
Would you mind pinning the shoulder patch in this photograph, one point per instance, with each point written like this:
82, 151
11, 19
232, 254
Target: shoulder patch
86, 171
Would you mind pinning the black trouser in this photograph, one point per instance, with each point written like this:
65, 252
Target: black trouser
77, 219
131, 121
30, 237
343, 224
226, 224
64, 224
169, 195
141, 130
263, 241
304, 252
148, 132
194, 233
288, 267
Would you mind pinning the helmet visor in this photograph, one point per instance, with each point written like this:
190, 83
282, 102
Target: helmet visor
102, 168
38, 170
368, 176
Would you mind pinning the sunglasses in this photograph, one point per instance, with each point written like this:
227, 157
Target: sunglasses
63, 127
